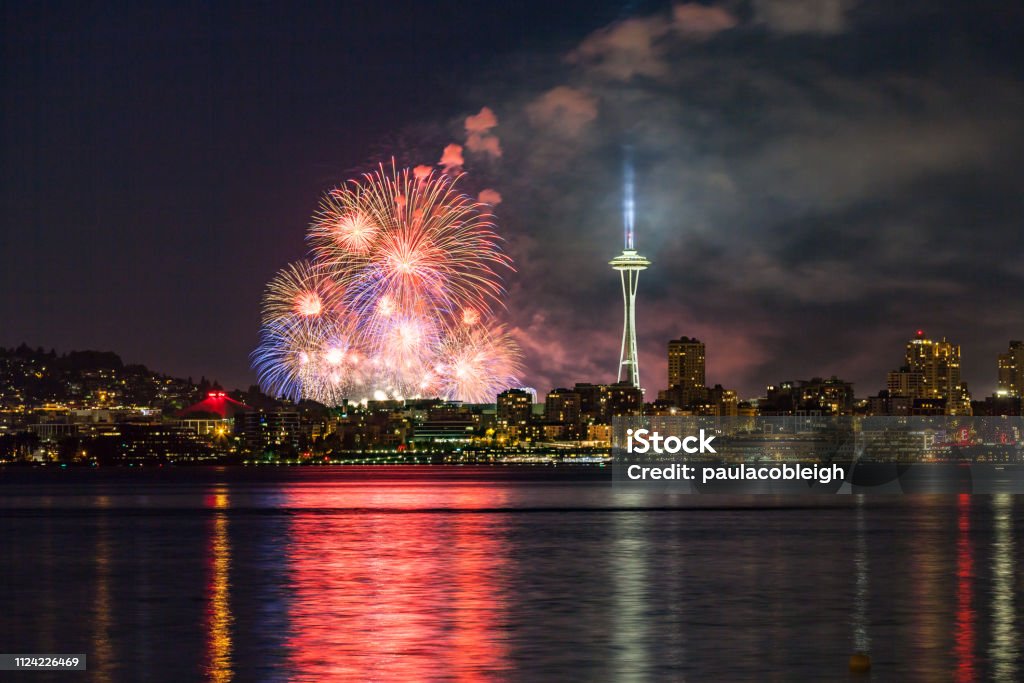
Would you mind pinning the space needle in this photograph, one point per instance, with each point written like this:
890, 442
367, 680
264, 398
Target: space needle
629, 264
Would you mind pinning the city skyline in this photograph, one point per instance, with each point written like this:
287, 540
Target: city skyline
692, 371
812, 186
90, 408
323, 328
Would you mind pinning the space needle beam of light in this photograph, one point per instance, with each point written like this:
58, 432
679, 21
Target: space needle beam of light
629, 264
628, 201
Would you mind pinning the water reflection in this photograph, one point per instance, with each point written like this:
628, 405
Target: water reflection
629, 583
480, 565
927, 631
1003, 650
380, 580
217, 665
861, 637
101, 657
396, 597
964, 649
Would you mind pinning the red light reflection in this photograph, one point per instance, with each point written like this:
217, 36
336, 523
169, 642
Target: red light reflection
396, 594
965, 615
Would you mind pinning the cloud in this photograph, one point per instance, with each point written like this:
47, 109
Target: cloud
484, 144
701, 21
636, 47
797, 212
803, 16
827, 280
880, 150
451, 159
489, 196
482, 122
479, 133
625, 49
555, 359
563, 109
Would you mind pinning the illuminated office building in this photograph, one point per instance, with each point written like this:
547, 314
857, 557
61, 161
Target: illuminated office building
905, 383
686, 366
938, 363
1011, 369
562, 406
514, 407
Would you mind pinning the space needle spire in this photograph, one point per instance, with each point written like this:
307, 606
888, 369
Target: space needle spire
629, 264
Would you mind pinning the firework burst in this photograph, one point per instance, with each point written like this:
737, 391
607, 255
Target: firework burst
398, 298
301, 290
477, 363
421, 245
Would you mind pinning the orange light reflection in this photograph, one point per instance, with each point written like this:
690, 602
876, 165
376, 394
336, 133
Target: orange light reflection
218, 665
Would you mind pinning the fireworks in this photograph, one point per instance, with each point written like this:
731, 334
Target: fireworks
301, 290
307, 357
397, 299
478, 363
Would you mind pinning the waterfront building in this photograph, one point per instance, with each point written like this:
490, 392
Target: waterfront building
1010, 366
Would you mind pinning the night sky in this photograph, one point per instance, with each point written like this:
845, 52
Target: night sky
815, 179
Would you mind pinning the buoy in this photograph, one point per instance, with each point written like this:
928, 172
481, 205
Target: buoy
860, 663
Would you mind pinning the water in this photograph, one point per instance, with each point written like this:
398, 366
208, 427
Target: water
416, 574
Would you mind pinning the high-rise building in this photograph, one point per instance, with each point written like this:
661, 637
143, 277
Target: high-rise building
686, 367
905, 383
629, 264
514, 407
933, 369
562, 406
1011, 370
938, 362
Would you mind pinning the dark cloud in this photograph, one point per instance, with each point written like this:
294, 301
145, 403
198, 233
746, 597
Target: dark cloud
810, 191
803, 16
